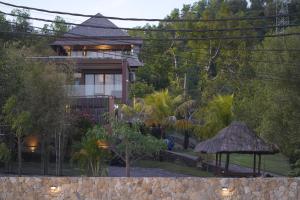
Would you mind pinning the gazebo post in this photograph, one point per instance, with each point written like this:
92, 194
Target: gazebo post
259, 163
254, 164
220, 163
216, 169
227, 163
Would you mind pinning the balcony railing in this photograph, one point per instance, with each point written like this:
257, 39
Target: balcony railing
94, 90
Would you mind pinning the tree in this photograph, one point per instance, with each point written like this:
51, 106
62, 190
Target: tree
129, 144
21, 21
19, 120
46, 100
217, 115
160, 106
59, 27
184, 113
93, 158
271, 103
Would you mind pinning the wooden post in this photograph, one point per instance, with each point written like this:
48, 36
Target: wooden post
259, 163
254, 164
220, 163
227, 163
217, 163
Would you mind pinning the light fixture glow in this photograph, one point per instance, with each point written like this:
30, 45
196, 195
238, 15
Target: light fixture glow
54, 189
224, 188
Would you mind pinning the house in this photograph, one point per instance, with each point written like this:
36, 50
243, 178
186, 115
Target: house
105, 58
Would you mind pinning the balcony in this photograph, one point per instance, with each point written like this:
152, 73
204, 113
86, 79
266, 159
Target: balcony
91, 91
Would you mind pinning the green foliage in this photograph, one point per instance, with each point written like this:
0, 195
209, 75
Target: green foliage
5, 154
127, 139
217, 115
271, 106
90, 157
58, 26
18, 119
160, 106
140, 89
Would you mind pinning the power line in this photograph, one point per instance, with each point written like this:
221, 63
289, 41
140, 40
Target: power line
149, 39
142, 19
227, 49
149, 29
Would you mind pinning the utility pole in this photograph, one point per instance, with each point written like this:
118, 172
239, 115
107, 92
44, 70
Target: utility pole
282, 12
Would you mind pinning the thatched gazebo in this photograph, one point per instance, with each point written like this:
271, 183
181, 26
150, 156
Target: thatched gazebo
236, 138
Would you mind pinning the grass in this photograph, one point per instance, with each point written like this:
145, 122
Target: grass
180, 169
276, 163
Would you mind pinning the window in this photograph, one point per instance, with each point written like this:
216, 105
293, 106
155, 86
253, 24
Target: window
105, 84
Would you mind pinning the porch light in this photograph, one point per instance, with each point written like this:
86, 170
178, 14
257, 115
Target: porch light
32, 148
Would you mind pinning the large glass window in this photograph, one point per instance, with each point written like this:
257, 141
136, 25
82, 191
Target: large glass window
105, 84
89, 84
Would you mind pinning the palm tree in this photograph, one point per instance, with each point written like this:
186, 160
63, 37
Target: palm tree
184, 124
217, 115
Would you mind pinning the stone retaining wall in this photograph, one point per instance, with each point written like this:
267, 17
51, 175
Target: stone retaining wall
76, 188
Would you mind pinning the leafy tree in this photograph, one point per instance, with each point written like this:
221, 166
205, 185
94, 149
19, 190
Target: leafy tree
130, 145
21, 22
19, 120
90, 156
58, 26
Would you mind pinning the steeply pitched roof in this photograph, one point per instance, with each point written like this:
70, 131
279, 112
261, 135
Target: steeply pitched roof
235, 138
97, 32
99, 35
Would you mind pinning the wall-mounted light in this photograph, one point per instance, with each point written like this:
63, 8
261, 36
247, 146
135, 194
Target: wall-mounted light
225, 191
224, 188
54, 189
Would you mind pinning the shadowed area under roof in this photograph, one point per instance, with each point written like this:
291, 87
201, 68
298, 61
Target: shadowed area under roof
236, 138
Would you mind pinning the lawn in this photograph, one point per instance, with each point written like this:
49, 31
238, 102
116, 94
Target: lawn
276, 163
172, 167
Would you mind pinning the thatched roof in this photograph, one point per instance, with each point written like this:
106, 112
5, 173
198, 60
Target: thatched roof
101, 36
235, 138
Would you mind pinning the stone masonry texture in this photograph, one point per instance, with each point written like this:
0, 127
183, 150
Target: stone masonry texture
154, 188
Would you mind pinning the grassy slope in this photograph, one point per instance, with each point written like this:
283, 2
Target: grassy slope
277, 163
181, 169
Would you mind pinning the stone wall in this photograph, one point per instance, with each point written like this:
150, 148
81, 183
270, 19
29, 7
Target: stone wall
75, 188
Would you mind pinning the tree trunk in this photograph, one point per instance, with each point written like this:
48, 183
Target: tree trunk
19, 156
186, 140
44, 154
127, 161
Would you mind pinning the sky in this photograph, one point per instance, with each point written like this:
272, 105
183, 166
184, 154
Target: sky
116, 8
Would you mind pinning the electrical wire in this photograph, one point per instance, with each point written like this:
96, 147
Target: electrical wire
144, 19
152, 30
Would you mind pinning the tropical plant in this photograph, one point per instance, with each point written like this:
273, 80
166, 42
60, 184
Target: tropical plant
160, 106
91, 155
184, 124
217, 115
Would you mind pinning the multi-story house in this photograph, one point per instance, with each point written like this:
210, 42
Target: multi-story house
105, 59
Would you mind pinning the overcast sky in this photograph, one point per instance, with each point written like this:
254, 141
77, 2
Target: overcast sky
119, 8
